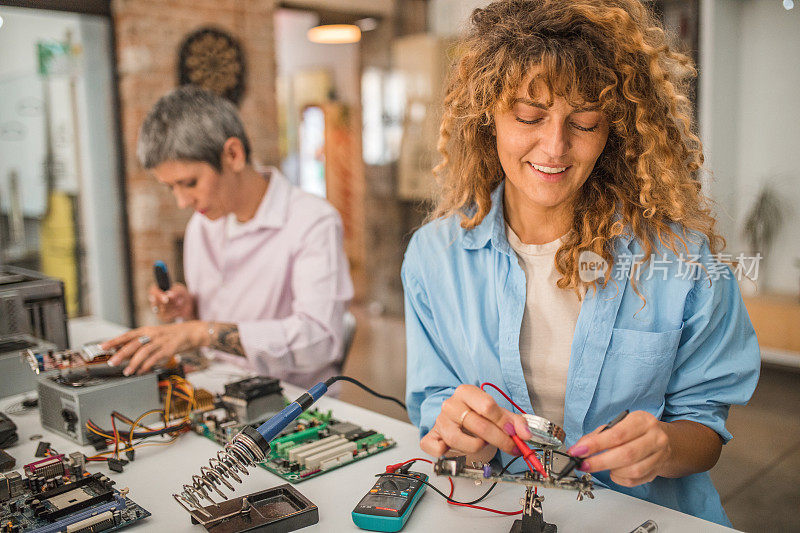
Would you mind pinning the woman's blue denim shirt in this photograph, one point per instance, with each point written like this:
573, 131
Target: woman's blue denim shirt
689, 354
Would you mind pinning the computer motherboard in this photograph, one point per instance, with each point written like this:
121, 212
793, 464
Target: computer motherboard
57, 494
315, 444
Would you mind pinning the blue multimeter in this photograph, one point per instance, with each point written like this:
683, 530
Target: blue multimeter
388, 504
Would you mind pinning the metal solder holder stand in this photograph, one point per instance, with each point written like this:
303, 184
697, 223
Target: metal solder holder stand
532, 520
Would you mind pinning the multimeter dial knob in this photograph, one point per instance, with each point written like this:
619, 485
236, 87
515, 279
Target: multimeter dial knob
394, 484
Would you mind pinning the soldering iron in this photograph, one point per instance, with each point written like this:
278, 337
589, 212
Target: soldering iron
251, 446
261, 436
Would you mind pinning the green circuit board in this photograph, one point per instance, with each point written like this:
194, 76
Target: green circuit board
88, 503
315, 444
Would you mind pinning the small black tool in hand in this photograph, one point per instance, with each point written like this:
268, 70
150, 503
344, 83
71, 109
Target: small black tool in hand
162, 275
575, 461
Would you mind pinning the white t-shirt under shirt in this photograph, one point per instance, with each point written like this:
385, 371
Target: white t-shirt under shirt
548, 325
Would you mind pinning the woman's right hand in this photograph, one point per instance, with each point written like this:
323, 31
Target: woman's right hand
469, 421
177, 302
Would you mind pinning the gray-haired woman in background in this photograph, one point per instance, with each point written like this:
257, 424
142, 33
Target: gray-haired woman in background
267, 279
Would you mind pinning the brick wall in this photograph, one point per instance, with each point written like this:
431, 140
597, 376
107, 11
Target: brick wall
148, 36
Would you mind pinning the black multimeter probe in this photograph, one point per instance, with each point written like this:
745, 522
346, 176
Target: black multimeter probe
575, 461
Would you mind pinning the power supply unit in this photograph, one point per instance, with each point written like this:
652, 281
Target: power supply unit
66, 403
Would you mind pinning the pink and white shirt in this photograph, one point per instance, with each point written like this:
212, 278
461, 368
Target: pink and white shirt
282, 277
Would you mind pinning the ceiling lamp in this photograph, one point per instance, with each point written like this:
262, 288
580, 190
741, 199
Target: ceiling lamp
334, 34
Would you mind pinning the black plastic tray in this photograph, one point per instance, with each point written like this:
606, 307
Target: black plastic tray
276, 510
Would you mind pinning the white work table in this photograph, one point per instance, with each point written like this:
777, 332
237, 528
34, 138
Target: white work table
160, 471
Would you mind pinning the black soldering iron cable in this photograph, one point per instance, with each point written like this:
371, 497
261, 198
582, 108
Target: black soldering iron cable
330, 381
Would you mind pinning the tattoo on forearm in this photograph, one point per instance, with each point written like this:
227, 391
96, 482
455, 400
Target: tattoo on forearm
226, 339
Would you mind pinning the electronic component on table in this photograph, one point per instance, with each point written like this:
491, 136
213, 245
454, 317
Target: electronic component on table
93, 352
181, 398
33, 303
315, 444
649, 526
544, 434
279, 509
72, 500
57, 494
181, 407
479, 472
254, 399
8, 431
7, 462
253, 445
389, 503
328, 443
546, 438
66, 405
16, 376
89, 358
71, 466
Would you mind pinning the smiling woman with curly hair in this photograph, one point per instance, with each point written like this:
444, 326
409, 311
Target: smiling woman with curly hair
571, 258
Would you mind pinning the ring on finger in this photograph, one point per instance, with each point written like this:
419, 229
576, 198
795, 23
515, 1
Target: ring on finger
144, 339
462, 417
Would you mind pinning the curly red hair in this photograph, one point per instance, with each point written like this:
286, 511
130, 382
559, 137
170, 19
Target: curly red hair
608, 53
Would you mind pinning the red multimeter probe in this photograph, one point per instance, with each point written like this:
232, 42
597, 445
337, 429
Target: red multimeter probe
527, 454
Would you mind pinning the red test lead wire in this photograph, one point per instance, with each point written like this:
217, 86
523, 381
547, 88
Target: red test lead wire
495, 387
392, 468
527, 454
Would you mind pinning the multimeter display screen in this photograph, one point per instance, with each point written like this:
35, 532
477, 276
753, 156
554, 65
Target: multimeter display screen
392, 502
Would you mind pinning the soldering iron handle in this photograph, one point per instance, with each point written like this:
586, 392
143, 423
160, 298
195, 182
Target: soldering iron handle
272, 427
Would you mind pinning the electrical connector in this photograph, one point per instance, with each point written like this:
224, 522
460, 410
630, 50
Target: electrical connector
405, 468
117, 465
391, 469
98, 442
41, 449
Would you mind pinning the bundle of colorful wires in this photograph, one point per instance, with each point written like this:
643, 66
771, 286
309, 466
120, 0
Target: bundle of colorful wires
123, 441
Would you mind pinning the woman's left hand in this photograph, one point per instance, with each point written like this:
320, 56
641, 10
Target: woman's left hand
150, 345
634, 450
